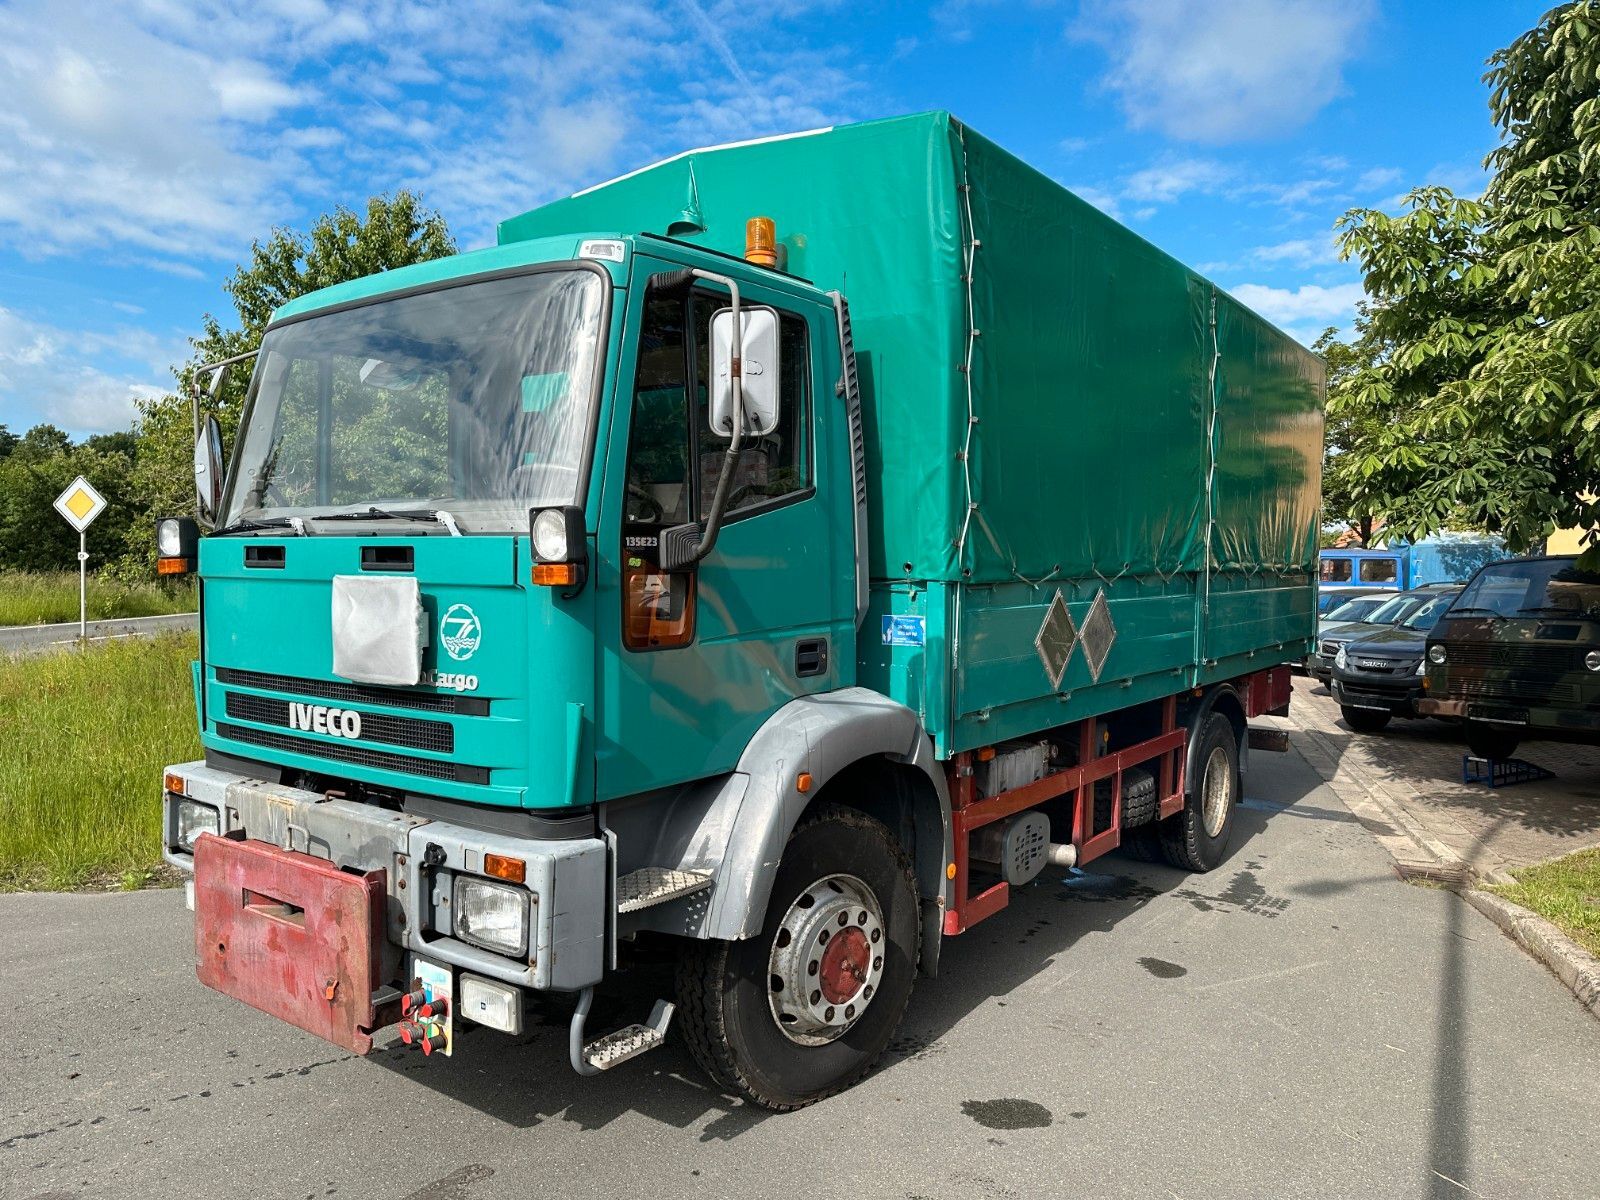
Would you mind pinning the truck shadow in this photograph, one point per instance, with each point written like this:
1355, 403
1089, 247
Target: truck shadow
527, 1082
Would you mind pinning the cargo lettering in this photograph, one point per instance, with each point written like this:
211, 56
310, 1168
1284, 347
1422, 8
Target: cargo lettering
318, 718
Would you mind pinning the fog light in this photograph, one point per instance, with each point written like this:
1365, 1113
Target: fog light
497, 1005
491, 915
1338, 659
194, 819
1436, 655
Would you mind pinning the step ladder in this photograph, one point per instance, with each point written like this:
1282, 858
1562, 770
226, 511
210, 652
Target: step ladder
650, 886
612, 1049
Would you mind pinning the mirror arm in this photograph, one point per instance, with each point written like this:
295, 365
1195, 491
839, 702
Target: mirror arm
217, 368
719, 498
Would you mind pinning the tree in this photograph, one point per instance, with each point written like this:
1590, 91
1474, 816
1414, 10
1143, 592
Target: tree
1347, 437
395, 231
1479, 377
33, 536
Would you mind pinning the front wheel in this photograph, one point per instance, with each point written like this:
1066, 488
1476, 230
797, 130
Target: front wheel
803, 1009
1491, 742
1364, 720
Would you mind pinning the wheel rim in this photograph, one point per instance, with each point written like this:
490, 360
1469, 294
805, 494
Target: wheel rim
827, 960
1215, 790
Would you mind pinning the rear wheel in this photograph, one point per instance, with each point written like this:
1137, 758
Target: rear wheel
1364, 720
803, 1009
1196, 838
1492, 742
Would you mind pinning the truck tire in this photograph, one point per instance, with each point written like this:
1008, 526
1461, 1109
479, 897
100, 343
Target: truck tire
1196, 838
1365, 720
803, 1009
1491, 741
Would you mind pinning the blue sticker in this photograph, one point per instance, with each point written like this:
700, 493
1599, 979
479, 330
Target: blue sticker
903, 631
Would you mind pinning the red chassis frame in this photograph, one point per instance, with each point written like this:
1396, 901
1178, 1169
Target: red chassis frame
1260, 692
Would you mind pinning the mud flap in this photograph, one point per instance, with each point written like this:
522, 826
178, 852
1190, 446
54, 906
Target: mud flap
290, 935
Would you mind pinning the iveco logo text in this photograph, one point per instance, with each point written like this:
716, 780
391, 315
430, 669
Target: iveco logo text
318, 718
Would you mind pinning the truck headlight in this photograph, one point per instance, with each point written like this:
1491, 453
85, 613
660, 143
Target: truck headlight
1338, 659
491, 915
1436, 655
1592, 660
194, 819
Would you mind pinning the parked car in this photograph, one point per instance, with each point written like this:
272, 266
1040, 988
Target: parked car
1329, 599
1332, 634
1353, 611
1380, 677
1518, 656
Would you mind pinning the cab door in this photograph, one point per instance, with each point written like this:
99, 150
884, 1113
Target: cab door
696, 660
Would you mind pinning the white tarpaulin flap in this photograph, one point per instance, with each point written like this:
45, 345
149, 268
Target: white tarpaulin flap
377, 629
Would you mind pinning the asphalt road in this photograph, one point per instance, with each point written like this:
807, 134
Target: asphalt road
35, 639
1297, 1023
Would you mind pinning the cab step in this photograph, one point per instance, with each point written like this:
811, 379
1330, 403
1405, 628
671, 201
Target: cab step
590, 1058
650, 886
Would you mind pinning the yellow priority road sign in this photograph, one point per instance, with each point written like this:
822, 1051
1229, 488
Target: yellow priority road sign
80, 504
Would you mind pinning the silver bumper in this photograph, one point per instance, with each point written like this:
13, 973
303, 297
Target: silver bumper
569, 880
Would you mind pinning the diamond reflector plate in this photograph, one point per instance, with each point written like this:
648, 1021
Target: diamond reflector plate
1057, 639
1097, 633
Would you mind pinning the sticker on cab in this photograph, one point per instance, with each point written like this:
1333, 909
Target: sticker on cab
904, 631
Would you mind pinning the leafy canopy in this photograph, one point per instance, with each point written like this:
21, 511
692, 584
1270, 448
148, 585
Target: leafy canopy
1477, 390
395, 231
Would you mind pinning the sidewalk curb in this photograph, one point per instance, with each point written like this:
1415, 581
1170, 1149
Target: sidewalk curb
1567, 960
1418, 856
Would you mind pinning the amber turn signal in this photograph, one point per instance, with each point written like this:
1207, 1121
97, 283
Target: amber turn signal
556, 574
174, 783
512, 870
172, 566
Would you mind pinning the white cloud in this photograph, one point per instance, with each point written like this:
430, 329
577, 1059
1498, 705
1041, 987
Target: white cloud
1226, 72
1299, 252
1166, 181
1310, 302
45, 375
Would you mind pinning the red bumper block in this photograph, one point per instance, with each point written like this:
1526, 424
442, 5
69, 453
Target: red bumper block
289, 934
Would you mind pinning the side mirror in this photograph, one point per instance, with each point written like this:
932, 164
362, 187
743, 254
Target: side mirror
208, 471
759, 371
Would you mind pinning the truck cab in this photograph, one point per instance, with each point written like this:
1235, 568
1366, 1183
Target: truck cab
1517, 656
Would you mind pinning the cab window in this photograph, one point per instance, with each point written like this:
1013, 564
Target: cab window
1379, 570
674, 458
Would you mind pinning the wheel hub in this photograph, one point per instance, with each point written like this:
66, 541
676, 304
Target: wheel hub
827, 960
1216, 785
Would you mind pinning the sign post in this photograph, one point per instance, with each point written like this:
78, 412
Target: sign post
80, 504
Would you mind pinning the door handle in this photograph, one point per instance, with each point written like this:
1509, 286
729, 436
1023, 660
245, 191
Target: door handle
811, 657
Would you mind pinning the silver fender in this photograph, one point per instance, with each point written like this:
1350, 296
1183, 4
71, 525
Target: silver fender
737, 826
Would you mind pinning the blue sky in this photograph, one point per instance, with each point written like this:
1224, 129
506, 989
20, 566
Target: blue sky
144, 143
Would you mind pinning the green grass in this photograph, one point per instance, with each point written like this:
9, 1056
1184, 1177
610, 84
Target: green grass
1565, 892
83, 738
43, 598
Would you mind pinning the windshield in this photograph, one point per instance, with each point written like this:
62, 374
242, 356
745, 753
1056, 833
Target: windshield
474, 399
1544, 587
1392, 611
1429, 614
1356, 610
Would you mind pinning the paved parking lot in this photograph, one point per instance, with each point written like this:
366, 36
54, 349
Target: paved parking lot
1418, 763
1297, 1023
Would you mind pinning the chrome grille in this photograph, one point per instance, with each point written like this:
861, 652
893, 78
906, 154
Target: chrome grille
325, 689
352, 752
411, 732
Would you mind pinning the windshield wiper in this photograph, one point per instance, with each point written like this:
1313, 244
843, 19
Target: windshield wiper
1455, 612
1552, 608
247, 524
396, 514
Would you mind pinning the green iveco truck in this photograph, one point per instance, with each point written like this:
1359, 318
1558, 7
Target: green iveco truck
769, 558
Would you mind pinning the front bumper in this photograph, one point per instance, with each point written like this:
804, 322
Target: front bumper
568, 880
1400, 699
